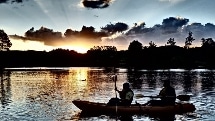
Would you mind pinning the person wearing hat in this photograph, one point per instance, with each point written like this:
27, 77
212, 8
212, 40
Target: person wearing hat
126, 95
167, 96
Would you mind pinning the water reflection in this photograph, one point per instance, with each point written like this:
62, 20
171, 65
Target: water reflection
47, 93
5, 90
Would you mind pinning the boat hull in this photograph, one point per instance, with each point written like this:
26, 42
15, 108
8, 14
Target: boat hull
102, 108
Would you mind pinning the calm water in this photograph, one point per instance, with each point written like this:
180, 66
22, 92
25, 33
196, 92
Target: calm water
46, 94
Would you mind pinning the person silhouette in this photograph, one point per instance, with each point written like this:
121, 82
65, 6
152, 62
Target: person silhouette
167, 96
126, 95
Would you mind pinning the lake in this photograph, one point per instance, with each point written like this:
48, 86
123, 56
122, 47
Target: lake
36, 94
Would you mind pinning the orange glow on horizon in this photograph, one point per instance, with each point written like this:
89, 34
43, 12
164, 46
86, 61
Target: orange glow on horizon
79, 49
39, 46
29, 45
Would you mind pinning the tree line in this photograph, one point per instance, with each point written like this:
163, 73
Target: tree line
136, 56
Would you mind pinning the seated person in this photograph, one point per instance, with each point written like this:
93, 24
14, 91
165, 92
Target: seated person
126, 96
167, 95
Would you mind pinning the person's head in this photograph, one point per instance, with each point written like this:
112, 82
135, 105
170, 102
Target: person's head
126, 86
166, 83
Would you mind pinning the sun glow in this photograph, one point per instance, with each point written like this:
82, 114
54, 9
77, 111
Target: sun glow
29, 45
77, 48
39, 46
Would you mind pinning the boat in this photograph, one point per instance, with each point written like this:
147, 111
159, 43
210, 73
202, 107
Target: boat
102, 108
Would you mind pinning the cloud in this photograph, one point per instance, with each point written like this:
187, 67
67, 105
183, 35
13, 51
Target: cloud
114, 28
172, 1
168, 26
52, 38
120, 35
3, 1
172, 27
96, 3
48, 36
11, 1
200, 30
120, 41
86, 32
172, 24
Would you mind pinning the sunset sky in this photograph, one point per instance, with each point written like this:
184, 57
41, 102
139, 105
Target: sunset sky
115, 22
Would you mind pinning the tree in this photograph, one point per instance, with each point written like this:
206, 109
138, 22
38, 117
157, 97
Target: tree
103, 55
189, 40
135, 46
152, 44
171, 41
134, 58
209, 42
5, 43
104, 48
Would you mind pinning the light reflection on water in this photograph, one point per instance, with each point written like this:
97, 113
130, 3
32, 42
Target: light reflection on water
47, 93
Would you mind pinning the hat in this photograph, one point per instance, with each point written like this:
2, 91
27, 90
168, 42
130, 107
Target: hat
126, 85
166, 83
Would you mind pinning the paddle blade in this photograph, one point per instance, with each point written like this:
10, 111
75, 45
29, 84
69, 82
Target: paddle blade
115, 77
139, 96
183, 97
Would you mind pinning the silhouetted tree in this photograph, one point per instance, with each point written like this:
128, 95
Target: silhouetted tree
171, 42
5, 43
209, 42
189, 40
134, 54
102, 55
135, 46
103, 48
152, 44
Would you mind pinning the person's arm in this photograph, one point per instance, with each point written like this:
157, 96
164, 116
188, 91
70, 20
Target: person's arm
117, 90
120, 92
162, 93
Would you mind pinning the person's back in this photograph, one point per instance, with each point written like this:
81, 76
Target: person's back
168, 95
126, 97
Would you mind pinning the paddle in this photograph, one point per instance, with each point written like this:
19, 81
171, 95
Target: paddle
115, 78
180, 97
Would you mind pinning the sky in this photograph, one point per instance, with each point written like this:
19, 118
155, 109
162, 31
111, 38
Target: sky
82, 24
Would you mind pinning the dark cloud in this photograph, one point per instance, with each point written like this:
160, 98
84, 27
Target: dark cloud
86, 32
17, 1
114, 28
48, 36
177, 28
201, 31
172, 27
169, 28
52, 38
96, 3
11, 1
171, 24
3, 1
139, 29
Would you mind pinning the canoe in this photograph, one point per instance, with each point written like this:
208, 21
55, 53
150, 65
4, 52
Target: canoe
102, 108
